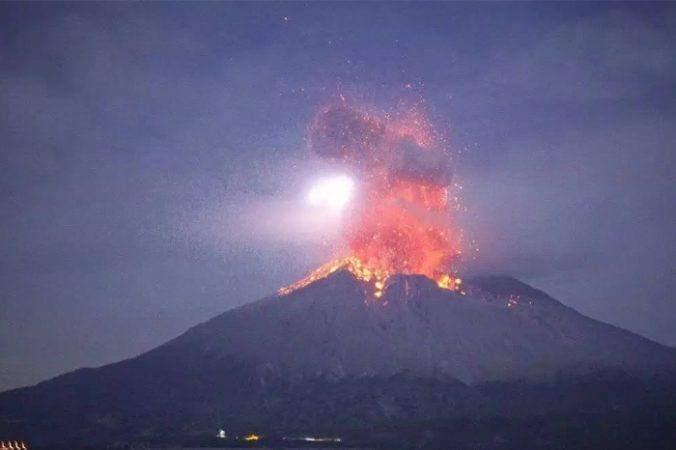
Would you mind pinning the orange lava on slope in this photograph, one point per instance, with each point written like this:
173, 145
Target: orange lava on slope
401, 220
349, 263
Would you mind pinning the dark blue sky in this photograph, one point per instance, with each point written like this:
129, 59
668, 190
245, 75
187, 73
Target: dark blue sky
143, 145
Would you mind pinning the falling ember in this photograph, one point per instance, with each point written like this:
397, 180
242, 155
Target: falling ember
400, 220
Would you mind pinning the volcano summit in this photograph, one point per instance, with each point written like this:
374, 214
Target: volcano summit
415, 365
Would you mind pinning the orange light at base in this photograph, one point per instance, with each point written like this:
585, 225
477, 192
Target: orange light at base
351, 264
376, 279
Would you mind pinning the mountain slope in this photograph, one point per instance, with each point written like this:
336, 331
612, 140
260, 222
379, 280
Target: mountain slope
501, 330
330, 357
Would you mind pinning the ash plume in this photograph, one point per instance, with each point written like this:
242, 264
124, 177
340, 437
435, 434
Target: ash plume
401, 222
372, 144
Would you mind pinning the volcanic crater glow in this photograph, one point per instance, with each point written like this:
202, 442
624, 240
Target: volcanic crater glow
402, 221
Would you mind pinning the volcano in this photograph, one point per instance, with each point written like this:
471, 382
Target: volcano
492, 365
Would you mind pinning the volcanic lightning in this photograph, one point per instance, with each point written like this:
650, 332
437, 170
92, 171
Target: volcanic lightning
400, 220
334, 192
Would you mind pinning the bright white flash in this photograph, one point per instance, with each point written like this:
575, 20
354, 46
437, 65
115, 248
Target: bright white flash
333, 193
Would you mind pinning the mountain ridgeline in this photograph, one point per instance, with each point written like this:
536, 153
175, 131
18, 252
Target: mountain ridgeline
500, 365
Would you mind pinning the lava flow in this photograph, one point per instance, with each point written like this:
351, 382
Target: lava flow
349, 263
401, 220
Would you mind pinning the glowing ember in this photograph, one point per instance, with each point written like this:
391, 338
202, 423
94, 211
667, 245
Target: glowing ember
447, 282
400, 221
252, 437
350, 263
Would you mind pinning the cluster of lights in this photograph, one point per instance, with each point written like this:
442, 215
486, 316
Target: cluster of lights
13, 445
249, 437
221, 434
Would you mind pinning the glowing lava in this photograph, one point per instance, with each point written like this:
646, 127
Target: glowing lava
350, 263
401, 220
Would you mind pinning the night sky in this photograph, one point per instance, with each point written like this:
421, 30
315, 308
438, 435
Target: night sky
153, 156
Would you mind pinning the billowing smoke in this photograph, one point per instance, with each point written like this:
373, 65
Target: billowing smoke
401, 221
401, 148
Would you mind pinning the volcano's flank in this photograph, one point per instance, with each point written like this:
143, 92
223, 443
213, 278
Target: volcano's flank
328, 356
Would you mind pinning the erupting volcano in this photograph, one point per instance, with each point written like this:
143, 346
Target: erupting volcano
401, 220
326, 362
